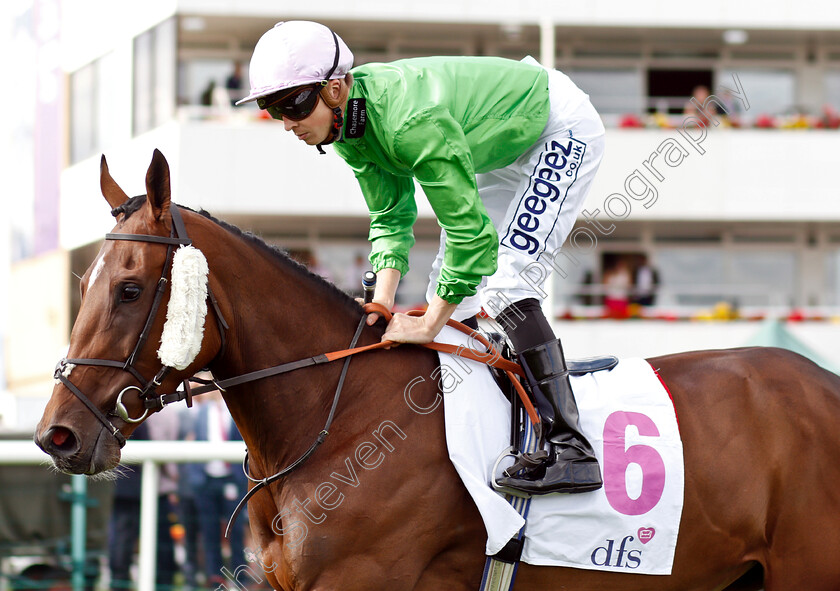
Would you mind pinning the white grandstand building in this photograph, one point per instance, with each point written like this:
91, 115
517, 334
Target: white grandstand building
741, 220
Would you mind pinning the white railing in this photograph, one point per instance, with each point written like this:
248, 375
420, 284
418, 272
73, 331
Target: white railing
150, 454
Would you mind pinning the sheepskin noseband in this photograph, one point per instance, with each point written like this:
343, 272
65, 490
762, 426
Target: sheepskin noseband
187, 309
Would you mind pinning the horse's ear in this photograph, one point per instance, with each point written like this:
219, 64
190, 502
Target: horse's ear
112, 192
157, 186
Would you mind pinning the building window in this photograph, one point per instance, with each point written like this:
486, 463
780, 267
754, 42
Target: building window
695, 276
763, 278
612, 92
743, 277
831, 273
831, 82
94, 115
669, 90
154, 76
199, 77
83, 108
769, 91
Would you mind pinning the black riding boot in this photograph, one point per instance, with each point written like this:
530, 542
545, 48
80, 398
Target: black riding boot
571, 466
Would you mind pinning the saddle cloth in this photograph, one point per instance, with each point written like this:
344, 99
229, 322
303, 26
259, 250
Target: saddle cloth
631, 524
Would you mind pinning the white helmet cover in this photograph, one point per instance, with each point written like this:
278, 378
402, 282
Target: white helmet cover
294, 53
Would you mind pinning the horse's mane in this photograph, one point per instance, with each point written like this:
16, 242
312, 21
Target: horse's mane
280, 256
283, 258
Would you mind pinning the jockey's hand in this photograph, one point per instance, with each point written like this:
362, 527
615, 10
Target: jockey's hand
387, 281
420, 329
409, 329
374, 316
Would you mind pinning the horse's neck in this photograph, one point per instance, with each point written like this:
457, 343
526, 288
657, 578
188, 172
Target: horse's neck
276, 315
278, 312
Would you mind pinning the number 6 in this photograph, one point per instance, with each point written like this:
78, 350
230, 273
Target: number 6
617, 457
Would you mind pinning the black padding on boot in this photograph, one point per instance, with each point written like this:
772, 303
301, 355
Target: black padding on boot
545, 361
525, 324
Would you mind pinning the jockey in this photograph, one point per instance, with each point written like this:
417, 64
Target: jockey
505, 152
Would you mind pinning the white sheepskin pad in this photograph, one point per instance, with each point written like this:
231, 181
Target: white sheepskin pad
184, 328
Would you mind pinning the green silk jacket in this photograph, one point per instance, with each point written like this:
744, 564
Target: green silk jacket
439, 120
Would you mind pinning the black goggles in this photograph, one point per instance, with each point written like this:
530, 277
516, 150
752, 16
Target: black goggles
299, 102
295, 104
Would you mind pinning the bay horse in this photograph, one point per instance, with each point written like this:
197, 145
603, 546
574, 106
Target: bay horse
379, 506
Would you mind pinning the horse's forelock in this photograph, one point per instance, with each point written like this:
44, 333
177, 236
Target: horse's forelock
129, 207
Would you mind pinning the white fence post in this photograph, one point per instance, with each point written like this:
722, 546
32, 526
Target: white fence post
148, 526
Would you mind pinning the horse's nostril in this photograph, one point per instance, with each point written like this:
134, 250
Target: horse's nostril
59, 436
61, 439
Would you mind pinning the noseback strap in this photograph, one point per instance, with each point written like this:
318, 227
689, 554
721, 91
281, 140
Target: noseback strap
59, 375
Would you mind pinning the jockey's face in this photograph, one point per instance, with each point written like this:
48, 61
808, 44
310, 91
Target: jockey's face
314, 129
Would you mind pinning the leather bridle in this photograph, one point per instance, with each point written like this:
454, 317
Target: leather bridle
153, 401
147, 392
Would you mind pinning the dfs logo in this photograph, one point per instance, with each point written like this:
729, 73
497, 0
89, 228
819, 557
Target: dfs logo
623, 556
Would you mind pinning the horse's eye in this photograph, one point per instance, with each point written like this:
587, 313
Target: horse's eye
130, 292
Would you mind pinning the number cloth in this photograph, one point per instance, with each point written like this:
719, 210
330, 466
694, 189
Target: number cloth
631, 524
468, 129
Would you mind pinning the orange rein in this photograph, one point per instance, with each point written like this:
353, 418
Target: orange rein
492, 357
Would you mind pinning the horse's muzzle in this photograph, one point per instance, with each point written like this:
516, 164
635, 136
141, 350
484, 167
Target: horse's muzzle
68, 454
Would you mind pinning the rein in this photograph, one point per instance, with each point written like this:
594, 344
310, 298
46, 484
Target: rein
260, 483
493, 358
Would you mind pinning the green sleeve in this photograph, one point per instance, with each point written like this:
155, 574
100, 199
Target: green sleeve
433, 145
393, 211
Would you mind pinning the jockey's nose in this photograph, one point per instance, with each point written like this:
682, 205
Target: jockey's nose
288, 124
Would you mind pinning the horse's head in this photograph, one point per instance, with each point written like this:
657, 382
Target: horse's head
145, 288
